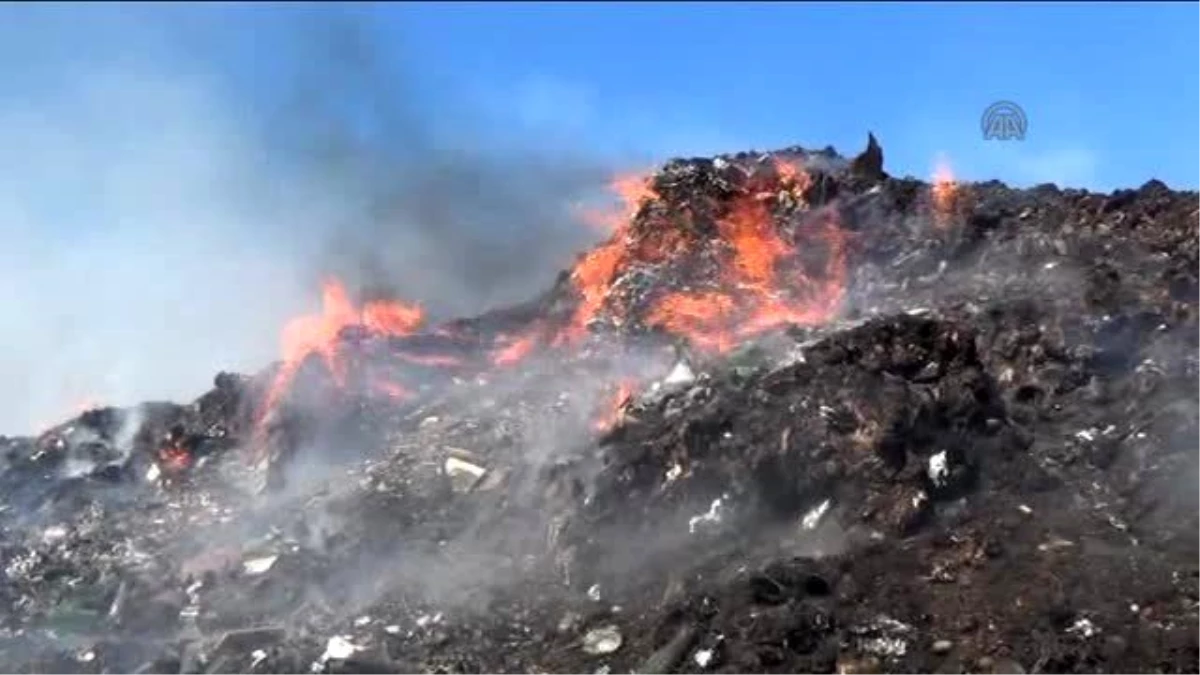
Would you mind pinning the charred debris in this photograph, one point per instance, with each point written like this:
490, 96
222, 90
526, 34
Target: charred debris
792, 415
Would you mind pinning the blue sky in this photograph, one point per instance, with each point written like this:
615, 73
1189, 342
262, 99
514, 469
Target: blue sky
1110, 89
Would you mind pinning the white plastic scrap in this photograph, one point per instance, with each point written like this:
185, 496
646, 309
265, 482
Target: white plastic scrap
189, 612
593, 593
937, 468
703, 657
455, 466
680, 374
259, 565
192, 609
22, 565
338, 647
426, 619
887, 637
257, 657
1083, 627
674, 472
153, 473
54, 533
796, 354
885, 646
603, 640
814, 515
887, 623
712, 516
919, 499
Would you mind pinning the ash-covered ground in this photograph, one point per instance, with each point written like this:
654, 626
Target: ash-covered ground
795, 415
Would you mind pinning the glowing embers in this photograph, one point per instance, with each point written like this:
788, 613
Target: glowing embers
766, 276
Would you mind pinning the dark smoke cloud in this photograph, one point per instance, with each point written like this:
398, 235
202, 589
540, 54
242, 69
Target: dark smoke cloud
433, 211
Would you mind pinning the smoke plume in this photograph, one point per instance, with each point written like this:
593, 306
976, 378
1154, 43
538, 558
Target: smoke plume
163, 215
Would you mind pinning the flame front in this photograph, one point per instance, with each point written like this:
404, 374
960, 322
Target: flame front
945, 193
318, 334
755, 292
516, 349
632, 190
613, 409
754, 276
755, 289
595, 272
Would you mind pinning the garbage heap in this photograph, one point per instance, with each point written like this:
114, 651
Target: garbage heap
792, 415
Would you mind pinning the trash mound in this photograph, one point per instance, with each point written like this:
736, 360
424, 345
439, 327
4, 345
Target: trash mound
792, 415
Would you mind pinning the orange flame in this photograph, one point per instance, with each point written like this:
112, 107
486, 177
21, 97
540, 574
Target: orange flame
788, 172
762, 283
632, 190
174, 459
318, 334
595, 271
756, 294
613, 410
791, 176
944, 192
516, 349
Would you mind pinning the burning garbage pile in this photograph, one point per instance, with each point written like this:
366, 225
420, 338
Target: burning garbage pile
792, 414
